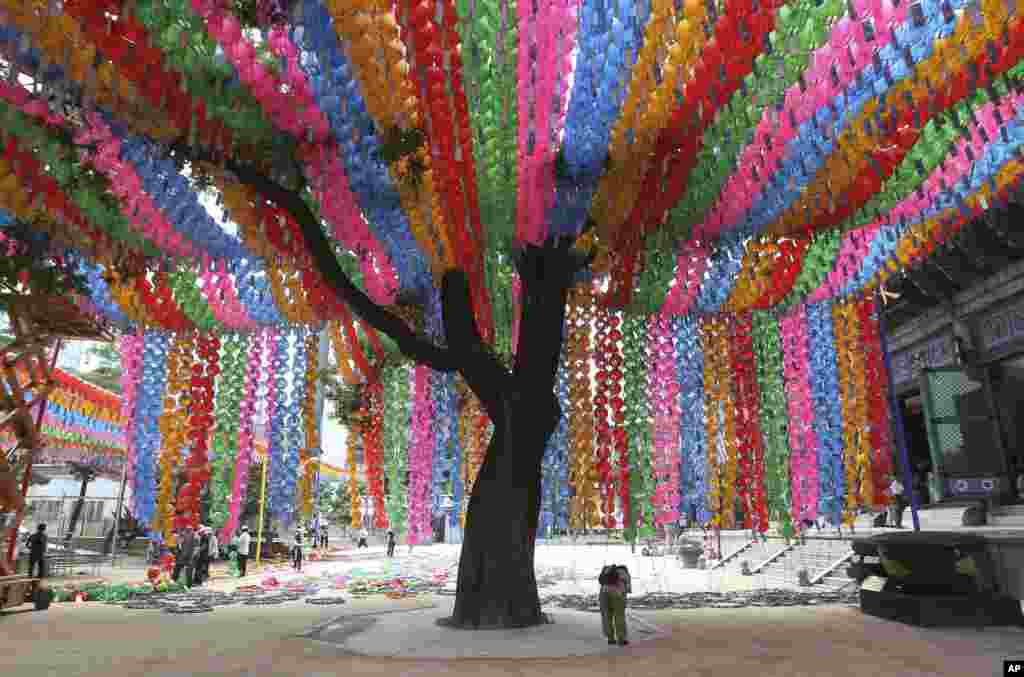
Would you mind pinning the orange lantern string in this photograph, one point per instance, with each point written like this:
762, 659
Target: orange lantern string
710, 331
173, 429
585, 507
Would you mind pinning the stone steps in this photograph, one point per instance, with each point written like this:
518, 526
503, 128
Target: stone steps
1007, 516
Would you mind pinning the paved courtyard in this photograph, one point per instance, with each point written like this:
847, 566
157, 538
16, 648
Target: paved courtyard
380, 636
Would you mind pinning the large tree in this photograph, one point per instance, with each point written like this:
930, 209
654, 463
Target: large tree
409, 137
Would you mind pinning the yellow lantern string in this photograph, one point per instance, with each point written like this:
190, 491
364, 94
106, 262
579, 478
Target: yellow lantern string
341, 353
307, 483
840, 170
242, 204
841, 327
353, 482
63, 41
859, 409
585, 507
13, 196
676, 46
300, 298
173, 429
712, 409
127, 299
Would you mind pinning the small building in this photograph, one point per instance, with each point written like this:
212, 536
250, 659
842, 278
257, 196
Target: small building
53, 503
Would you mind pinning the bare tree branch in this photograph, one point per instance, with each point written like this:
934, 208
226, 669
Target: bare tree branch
413, 346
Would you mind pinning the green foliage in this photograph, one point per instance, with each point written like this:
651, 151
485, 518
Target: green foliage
335, 502
107, 374
32, 269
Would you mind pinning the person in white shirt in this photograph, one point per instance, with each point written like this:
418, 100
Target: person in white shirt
363, 536
243, 551
899, 502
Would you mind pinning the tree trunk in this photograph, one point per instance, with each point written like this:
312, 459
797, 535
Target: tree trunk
497, 587
76, 513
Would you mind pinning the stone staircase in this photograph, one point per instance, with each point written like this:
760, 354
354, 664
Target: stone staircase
823, 559
1010, 516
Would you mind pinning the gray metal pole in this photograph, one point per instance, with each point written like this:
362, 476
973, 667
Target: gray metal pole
897, 416
117, 514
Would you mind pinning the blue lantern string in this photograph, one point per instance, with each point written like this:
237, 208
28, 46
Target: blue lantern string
337, 94
883, 247
807, 153
608, 42
149, 405
458, 486
276, 440
827, 412
692, 442
289, 476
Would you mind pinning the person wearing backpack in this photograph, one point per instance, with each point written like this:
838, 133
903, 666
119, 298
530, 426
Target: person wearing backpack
615, 585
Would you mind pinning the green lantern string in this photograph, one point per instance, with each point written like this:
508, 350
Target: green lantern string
768, 349
185, 286
397, 411
932, 147
230, 387
818, 262
490, 84
637, 424
800, 28
187, 48
659, 267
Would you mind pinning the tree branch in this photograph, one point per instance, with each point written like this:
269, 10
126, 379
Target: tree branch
415, 347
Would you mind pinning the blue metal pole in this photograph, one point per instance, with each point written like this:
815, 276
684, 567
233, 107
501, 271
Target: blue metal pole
897, 415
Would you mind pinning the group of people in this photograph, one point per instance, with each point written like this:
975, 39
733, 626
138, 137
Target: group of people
195, 550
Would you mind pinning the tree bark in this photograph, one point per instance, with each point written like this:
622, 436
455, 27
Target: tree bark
76, 512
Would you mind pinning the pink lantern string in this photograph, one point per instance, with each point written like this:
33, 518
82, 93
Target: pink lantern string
260, 354
803, 439
856, 243
219, 292
32, 106
690, 267
775, 130
666, 424
130, 347
125, 183
421, 458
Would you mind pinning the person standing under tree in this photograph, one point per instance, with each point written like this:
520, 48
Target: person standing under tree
363, 536
391, 543
37, 551
323, 536
183, 557
297, 551
615, 585
243, 551
898, 502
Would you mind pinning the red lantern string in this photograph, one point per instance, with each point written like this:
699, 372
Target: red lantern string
200, 421
617, 424
126, 43
787, 268
373, 445
877, 393
358, 356
428, 30
86, 391
371, 335
161, 304
602, 401
750, 482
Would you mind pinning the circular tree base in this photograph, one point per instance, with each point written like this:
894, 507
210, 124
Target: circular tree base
451, 622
